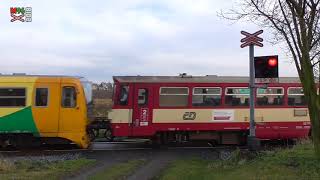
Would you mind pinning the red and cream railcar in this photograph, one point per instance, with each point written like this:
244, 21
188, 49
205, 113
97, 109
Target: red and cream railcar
206, 107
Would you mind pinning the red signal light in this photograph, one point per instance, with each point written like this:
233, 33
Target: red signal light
266, 66
272, 62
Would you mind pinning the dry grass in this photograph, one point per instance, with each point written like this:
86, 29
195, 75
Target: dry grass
102, 107
6, 165
27, 169
105, 102
102, 100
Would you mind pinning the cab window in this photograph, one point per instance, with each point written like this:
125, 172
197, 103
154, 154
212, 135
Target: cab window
142, 97
41, 99
123, 95
296, 97
206, 96
69, 97
270, 96
12, 97
237, 96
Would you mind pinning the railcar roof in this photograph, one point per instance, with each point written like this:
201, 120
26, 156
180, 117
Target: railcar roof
194, 79
29, 75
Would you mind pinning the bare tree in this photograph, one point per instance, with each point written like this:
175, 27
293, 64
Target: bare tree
296, 24
108, 86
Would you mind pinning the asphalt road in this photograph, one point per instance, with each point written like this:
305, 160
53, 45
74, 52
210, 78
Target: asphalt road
156, 159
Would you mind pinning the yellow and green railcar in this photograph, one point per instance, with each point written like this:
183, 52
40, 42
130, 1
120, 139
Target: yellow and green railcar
44, 109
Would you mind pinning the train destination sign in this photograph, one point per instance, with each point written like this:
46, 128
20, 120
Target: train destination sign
242, 91
246, 91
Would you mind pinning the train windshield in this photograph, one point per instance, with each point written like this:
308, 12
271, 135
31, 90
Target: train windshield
87, 87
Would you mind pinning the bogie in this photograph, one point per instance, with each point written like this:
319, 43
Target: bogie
216, 138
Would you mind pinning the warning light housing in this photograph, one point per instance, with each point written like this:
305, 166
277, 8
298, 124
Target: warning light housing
266, 67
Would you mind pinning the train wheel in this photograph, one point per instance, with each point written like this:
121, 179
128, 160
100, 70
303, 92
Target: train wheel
213, 143
155, 141
108, 135
21, 141
4, 143
164, 138
91, 134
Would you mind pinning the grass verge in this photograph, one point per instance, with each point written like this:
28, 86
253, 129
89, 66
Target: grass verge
296, 163
27, 169
118, 171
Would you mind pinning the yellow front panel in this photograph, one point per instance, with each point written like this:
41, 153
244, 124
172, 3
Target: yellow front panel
73, 119
238, 115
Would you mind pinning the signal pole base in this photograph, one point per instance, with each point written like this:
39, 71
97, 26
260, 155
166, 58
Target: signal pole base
253, 143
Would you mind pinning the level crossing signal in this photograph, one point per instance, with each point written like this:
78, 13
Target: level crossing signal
266, 67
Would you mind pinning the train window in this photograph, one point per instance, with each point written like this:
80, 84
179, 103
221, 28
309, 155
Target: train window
142, 97
296, 97
41, 97
123, 95
87, 88
69, 97
237, 96
173, 96
12, 97
270, 96
206, 96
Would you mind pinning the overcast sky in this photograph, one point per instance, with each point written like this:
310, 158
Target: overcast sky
99, 39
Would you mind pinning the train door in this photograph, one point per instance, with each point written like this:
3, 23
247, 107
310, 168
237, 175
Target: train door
142, 110
70, 112
46, 107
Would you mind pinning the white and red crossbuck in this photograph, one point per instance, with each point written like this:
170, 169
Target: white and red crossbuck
251, 39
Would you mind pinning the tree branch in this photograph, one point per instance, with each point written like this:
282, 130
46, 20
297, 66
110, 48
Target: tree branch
290, 29
315, 63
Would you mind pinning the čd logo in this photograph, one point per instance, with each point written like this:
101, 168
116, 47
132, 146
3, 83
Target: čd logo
189, 116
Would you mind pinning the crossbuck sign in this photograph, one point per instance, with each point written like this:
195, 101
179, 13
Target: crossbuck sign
251, 39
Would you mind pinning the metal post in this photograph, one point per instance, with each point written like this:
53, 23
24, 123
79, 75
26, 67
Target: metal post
252, 40
252, 88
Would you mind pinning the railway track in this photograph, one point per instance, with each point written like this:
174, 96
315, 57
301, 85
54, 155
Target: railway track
128, 145
110, 146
